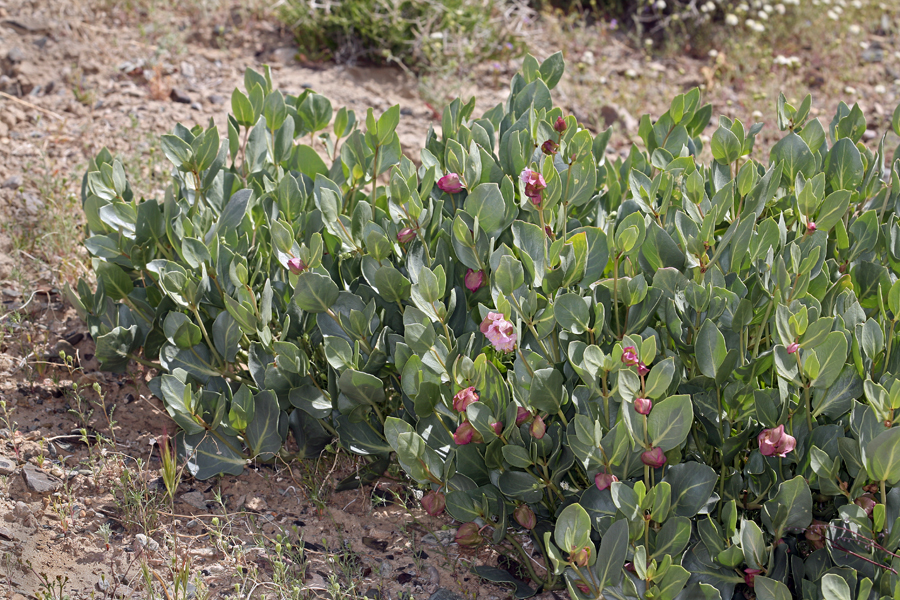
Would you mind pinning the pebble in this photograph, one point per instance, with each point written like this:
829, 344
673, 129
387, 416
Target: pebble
179, 95
142, 541
7, 466
12, 183
216, 99
385, 568
15, 55
195, 499
445, 594
196, 106
40, 482
433, 575
444, 537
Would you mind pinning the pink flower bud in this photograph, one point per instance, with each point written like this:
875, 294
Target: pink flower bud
643, 406
296, 265
464, 398
629, 356
499, 332
469, 535
534, 185
549, 232
867, 503
538, 428
811, 227
604, 480
434, 503
497, 426
775, 442
406, 235
524, 516
580, 557
654, 458
466, 434
560, 124
474, 280
583, 588
450, 183
549, 147
750, 575
522, 415
793, 348
643, 369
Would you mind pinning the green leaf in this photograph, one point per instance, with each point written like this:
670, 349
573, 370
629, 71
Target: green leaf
307, 161
725, 146
790, 507
670, 422
572, 313
209, 454
552, 69
611, 554
834, 587
177, 151
672, 538
710, 348
315, 293
573, 528
485, 203
361, 387
883, 457
843, 165
116, 282
500, 576
263, 439
796, 156
770, 589
692, 484
659, 378
509, 275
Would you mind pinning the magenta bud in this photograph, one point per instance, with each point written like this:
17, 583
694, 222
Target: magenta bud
406, 235
497, 426
560, 124
643, 369
811, 227
643, 406
654, 458
549, 147
465, 434
296, 265
538, 428
549, 232
775, 442
474, 280
464, 398
469, 535
604, 480
867, 503
522, 415
629, 356
450, 183
793, 348
525, 516
750, 576
434, 503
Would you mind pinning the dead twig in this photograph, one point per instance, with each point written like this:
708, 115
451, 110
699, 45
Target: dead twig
47, 112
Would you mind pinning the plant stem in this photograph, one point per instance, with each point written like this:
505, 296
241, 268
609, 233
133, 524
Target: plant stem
527, 559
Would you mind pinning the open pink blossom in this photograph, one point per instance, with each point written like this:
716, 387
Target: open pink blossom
434, 503
793, 348
643, 369
775, 442
464, 398
474, 280
643, 406
466, 434
534, 185
604, 480
499, 332
296, 265
654, 458
450, 183
629, 356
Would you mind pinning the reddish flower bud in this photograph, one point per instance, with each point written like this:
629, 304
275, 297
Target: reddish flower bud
433, 503
811, 227
296, 265
549, 232
450, 183
867, 503
750, 575
604, 480
524, 516
580, 557
643, 369
474, 280
793, 348
464, 398
560, 124
469, 535
538, 428
497, 426
466, 434
406, 235
549, 147
654, 458
643, 406
583, 588
775, 441
629, 356
522, 415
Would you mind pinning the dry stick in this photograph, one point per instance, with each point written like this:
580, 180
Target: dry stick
30, 105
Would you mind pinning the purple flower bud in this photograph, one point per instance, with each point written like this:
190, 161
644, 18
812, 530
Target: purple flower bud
522, 415
469, 535
464, 398
497, 426
296, 265
549, 147
406, 235
643, 406
793, 348
450, 183
643, 369
524, 516
560, 124
867, 503
466, 434
538, 428
604, 480
811, 227
654, 458
434, 503
474, 280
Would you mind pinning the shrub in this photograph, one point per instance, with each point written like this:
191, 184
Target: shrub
687, 367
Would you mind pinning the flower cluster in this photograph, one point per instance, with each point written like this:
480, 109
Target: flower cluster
534, 186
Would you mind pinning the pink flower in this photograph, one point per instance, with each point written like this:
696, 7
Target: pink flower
534, 185
497, 426
549, 147
560, 124
775, 441
499, 332
474, 280
581, 557
654, 458
538, 428
296, 265
434, 503
643, 406
643, 369
604, 480
811, 227
466, 434
469, 534
464, 398
793, 348
450, 183
406, 235
524, 516
750, 575
629, 356
522, 415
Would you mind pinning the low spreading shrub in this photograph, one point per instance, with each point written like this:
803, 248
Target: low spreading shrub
679, 378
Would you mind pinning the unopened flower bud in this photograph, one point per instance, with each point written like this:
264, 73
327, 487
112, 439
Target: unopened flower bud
406, 235
469, 535
654, 458
867, 503
525, 516
497, 426
604, 480
474, 280
581, 557
643, 406
549, 147
793, 348
750, 575
643, 369
296, 265
465, 434
811, 227
560, 124
450, 183
433, 503
464, 398
538, 428
522, 415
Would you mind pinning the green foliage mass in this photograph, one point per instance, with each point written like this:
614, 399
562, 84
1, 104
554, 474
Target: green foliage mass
287, 300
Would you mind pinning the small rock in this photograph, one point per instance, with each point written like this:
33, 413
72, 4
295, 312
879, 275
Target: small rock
373, 594
187, 69
256, 504
103, 584
192, 524
406, 111
187, 594
385, 568
7, 466
612, 113
445, 594
15, 55
13, 182
195, 499
142, 541
6, 533
196, 106
179, 95
444, 537
216, 99
873, 54
40, 482
433, 575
